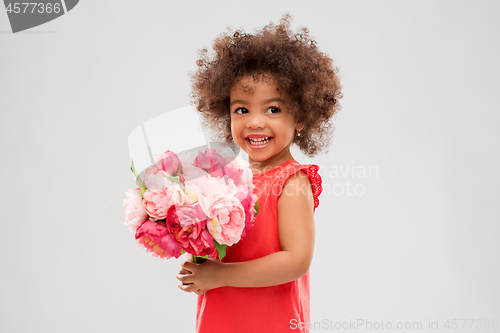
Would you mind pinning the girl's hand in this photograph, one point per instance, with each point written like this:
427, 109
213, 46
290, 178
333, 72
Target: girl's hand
200, 278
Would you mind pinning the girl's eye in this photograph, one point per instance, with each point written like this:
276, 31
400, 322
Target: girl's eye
240, 109
274, 109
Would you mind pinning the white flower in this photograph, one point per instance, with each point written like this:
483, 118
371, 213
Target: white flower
135, 215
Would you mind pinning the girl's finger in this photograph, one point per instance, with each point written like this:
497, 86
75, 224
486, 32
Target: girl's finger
184, 271
189, 287
181, 287
188, 265
185, 278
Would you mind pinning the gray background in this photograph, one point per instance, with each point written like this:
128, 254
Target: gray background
417, 239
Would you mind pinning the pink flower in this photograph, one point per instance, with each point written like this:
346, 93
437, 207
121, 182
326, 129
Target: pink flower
226, 152
188, 225
192, 192
210, 185
247, 199
189, 170
247, 175
168, 162
157, 202
226, 217
214, 254
135, 214
203, 161
156, 180
231, 171
155, 238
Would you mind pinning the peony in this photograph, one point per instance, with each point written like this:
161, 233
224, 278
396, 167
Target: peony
227, 153
168, 162
192, 192
210, 160
226, 217
155, 238
247, 175
191, 203
215, 254
135, 214
210, 185
231, 171
247, 199
188, 225
156, 180
189, 170
157, 202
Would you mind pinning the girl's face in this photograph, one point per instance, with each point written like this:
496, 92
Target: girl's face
260, 122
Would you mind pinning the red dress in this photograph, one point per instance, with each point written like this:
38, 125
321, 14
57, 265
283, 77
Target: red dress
274, 309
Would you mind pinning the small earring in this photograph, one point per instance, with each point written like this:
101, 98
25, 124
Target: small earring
298, 133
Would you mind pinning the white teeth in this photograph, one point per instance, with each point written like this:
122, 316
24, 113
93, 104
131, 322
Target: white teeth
259, 142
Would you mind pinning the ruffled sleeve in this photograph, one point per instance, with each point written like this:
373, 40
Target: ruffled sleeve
313, 175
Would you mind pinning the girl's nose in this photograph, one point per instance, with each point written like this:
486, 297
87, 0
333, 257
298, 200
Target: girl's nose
255, 120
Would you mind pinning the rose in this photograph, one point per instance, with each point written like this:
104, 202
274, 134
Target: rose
135, 214
157, 202
226, 217
154, 237
188, 225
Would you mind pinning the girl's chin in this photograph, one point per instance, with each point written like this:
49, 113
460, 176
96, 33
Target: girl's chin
259, 157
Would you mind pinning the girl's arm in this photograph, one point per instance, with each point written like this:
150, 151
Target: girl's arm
296, 232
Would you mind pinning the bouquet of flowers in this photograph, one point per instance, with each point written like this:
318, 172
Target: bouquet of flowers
199, 202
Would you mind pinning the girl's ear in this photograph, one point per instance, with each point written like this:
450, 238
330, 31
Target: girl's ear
299, 127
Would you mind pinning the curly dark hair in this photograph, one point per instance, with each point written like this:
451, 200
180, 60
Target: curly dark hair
308, 76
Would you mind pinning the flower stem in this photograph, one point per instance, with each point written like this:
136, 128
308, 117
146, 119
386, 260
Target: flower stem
197, 259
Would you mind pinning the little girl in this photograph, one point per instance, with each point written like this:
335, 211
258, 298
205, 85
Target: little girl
264, 92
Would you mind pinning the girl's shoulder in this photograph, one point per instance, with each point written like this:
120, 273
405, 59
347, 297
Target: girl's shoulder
294, 168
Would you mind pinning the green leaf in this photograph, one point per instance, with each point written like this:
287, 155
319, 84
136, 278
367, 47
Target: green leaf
141, 184
221, 248
176, 180
183, 251
256, 206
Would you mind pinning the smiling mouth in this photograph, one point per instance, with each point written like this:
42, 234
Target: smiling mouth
259, 142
